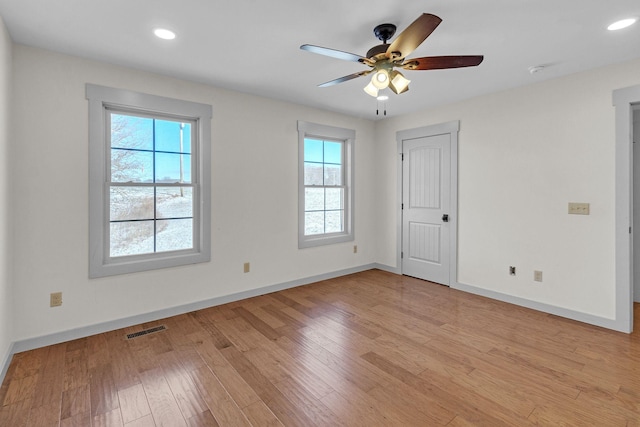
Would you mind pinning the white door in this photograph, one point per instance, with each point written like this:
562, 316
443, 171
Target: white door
426, 189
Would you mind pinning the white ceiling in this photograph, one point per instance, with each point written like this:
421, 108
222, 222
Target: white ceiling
253, 45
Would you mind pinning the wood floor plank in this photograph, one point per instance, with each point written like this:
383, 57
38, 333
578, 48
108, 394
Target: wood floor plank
204, 419
268, 392
76, 368
45, 416
302, 398
111, 418
417, 408
20, 389
162, 402
367, 349
146, 421
15, 414
220, 403
103, 392
50, 384
279, 366
78, 420
75, 401
133, 403
220, 368
457, 398
259, 415
124, 365
184, 390
317, 351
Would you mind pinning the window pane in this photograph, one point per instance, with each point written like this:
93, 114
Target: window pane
131, 132
131, 166
313, 150
332, 175
333, 198
173, 136
313, 223
334, 221
313, 174
129, 203
131, 238
173, 167
174, 202
333, 152
314, 199
174, 235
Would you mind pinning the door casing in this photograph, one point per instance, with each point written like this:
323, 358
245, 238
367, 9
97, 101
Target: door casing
452, 129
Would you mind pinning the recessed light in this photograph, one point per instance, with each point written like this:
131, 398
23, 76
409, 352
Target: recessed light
164, 34
623, 23
382, 98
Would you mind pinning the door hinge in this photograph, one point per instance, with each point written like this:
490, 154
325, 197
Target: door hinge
402, 154
401, 206
629, 230
401, 254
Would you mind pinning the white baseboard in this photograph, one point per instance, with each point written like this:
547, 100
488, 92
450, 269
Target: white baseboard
6, 360
387, 268
31, 343
545, 308
63, 336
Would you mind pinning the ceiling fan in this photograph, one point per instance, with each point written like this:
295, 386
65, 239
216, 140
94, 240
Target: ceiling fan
383, 58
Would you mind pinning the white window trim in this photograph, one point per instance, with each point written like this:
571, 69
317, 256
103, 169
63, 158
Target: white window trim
101, 97
348, 136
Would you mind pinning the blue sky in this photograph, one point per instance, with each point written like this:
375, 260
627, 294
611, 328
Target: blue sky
134, 132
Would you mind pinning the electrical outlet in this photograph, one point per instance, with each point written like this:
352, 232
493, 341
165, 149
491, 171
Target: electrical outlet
512, 270
537, 276
247, 267
355, 249
55, 299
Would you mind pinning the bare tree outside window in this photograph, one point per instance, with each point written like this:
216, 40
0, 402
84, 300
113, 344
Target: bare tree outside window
151, 201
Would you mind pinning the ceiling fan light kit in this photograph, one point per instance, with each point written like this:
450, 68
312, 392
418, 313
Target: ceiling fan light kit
383, 58
371, 89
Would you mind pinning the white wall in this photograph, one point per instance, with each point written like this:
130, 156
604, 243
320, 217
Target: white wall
6, 280
254, 200
523, 155
6, 237
636, 204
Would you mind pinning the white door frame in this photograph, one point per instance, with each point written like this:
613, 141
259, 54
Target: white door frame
623, 100
452, 129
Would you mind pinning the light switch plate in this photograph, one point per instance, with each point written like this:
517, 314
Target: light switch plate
578, 208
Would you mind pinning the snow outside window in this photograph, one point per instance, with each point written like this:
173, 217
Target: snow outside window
326, 184
149, 182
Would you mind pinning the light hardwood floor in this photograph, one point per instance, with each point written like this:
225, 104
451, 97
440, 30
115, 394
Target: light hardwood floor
369, 349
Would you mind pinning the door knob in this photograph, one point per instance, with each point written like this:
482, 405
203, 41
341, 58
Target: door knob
445, 218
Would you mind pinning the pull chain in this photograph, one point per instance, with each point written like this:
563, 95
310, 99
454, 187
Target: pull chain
384, 106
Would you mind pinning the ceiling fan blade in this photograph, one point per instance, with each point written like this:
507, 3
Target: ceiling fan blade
408, 40
345, 78
339, 54
442, 62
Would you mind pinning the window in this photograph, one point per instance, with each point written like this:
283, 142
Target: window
325, 184
149, 190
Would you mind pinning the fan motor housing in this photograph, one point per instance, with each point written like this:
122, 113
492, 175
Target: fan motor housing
377, 50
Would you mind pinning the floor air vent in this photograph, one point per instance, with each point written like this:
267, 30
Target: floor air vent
146, 332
